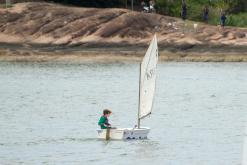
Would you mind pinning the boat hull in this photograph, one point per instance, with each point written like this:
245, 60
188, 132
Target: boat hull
123, 133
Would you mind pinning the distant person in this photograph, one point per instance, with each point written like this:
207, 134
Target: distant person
143, 4
223, 20
151, 6
184, 11
103, 121
145, 7
205, 14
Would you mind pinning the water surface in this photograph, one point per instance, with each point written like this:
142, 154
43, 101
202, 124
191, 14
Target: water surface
49, 113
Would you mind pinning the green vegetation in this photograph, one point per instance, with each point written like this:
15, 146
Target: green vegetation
236, 10
4, 6
238, 20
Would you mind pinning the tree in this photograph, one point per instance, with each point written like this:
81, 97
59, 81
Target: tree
94, 3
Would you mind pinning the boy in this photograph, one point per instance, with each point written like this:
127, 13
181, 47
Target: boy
103, 121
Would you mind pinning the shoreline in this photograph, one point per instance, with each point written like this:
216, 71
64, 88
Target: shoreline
115, 55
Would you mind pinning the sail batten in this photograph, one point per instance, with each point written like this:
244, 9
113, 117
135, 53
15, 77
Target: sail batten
148, 79
146, 115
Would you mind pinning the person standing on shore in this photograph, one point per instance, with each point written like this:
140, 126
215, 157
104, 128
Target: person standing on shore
223, 20
151, 6
205, 14
143, 4
184, 10
184, 14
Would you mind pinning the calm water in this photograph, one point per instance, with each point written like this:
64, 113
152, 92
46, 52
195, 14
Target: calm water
49, 113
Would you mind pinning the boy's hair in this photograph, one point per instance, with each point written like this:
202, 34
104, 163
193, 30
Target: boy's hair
106, 111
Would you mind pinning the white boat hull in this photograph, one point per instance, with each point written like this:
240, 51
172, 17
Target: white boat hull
124, 133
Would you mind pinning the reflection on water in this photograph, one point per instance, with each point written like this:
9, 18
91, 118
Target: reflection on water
49, 113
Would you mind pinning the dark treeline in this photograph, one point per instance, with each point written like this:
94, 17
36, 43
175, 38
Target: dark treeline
90, 3
167, 6
94, 3
83, 3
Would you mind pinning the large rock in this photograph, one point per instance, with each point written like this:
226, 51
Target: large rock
52, 24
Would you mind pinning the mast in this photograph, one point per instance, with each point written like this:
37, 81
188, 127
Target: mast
139, 107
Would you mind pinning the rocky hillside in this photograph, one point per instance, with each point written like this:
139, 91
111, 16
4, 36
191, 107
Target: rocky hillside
46, 24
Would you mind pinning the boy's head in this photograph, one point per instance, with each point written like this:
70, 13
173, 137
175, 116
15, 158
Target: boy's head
106, 112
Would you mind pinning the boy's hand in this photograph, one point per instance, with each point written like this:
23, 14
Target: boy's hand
107, 125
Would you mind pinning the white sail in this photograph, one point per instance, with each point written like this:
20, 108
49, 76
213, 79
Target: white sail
148, 79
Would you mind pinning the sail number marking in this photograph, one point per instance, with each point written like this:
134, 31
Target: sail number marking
150, 74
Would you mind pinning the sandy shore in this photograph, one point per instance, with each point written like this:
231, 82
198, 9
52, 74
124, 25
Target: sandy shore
115, 55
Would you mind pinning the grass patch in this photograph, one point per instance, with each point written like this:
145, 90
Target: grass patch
239, 20
236, 10
6, 6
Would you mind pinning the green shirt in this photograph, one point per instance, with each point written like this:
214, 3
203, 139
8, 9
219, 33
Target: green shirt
103, 122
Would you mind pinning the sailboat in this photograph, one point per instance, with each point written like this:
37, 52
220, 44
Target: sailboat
147, 84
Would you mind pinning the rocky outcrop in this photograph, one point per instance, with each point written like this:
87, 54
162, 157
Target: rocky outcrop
57, 26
